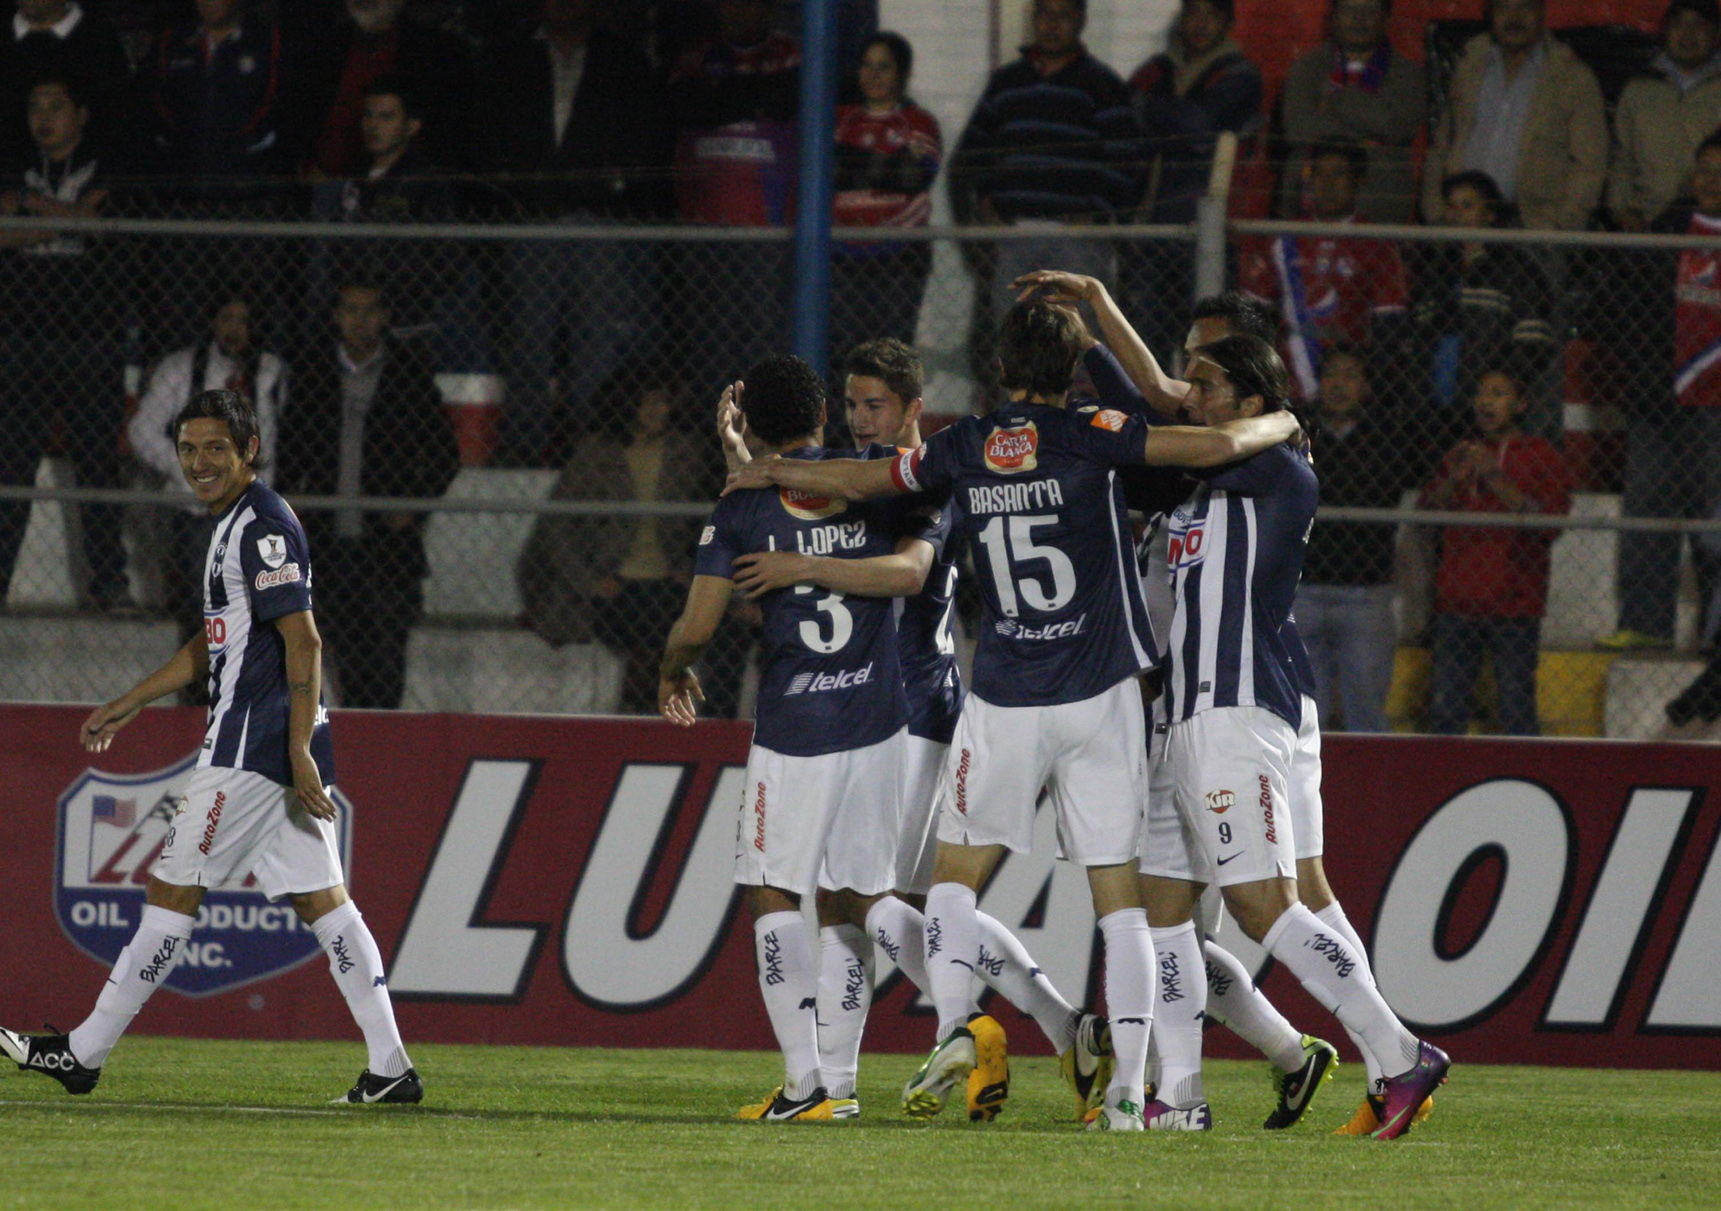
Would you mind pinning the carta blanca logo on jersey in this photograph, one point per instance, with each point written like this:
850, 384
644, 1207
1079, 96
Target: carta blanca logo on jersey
1014, 449
1009, 628
112, 828
808, 507
818, 683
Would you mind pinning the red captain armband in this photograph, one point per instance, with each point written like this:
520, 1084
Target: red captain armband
902, 470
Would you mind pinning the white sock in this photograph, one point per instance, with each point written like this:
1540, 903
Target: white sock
1325, 965
845, 995
952, 945
1333, 915
1006, 966
1235, 1002
1129, 999
143, 966
791, 991
900, 931
356, 964
1180, 999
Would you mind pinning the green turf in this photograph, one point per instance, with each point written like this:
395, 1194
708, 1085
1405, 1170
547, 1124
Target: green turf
184, 1124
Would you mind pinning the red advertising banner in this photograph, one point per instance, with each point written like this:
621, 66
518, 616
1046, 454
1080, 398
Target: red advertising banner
567, 881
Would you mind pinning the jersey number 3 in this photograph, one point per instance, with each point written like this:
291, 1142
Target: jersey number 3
842, 623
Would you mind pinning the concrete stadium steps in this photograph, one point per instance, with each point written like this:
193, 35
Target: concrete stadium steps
1572, 690
486, 670
472, 555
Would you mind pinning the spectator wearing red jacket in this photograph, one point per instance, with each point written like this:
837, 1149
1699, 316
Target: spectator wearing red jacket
1491, 587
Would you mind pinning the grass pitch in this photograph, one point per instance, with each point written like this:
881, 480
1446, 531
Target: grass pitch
190, 1123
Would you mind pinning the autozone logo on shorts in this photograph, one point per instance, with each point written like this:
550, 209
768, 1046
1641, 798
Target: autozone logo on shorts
213, 822
962, 781
1220, 802
1012, 450
759, 819
808, 507
818, 683
1267, 809
284, 575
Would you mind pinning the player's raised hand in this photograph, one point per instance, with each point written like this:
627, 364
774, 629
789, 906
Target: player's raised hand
762, 572
756, 474
98, 730
308, 788
678, 696
729, 424
1057, 286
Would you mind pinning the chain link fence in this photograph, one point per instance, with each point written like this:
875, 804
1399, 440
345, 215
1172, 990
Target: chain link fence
1498, 408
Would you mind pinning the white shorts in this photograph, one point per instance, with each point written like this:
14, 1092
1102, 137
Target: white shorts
1231, 773
1169, 846
233, 822
1089, 756
831, 821
922, 766
1306, 811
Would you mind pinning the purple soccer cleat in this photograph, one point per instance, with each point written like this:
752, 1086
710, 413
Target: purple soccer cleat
1405, 1093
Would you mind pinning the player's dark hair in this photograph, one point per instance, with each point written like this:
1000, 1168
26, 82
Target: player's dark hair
1253, 368
783, 398
228, 406
891, 361
1038, 346
395, 85
900, 52
1354, 154
1244, 314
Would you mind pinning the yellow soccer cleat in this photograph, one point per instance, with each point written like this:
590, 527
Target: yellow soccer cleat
1087, 1066
817, 1107
949, 1062
1366, 1120
989, 1082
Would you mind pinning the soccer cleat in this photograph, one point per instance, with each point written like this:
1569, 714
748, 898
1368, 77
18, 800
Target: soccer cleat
1297, 1089
1160, 1117
1627, 640
1366, 1120
1088, 1064
1123, 1115
371, 1089
50, 1055
1406, 1092
950, 1061
989, 1083
816, 1107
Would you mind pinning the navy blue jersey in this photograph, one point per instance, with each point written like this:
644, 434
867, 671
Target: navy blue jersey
830, 679
927, 649
1035, 489
1235, 556
1149, 491
259, 570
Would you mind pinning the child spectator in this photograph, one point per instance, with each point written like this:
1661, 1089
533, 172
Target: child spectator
1491, 588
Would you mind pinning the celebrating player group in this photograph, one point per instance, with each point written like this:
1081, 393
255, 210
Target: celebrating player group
880, 790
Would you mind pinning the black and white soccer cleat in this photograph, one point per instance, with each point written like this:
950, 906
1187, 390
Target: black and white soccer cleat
50, 1055
371, 1089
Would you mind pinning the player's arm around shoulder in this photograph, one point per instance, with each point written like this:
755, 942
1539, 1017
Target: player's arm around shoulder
678, 692
836, 478
1216, 445
304, 669
902, 573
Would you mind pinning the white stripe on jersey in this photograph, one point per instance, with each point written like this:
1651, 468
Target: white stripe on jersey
1246, 665
1126, 577
1214, 538
235, 626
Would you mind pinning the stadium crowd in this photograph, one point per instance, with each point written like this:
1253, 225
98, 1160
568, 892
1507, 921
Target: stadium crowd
594, 114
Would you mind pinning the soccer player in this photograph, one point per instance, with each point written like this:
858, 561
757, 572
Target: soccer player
1301, 1062
822, 808
883, 386
1054, 703
258, 801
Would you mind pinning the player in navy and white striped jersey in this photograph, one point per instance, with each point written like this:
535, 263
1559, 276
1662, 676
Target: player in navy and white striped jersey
258, 802
1053, 702
822, 812
1235, 703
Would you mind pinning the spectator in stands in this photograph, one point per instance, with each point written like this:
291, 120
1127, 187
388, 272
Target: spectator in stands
1523, 108
367, 420
619, 578
373, 43
1673, 427
1476, 305
233, 358
1327, 288
63, 39
1201, 86
1491, 588
1664, 114
58, 335
1356, 87
734, 100
573, 127
1344, 602
1052, 139
888, 149
214, 105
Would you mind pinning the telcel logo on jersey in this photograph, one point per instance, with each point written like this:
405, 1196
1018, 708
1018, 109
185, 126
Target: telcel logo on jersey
1009, 628
808, 507
112, 827
1012, 450
818, 683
